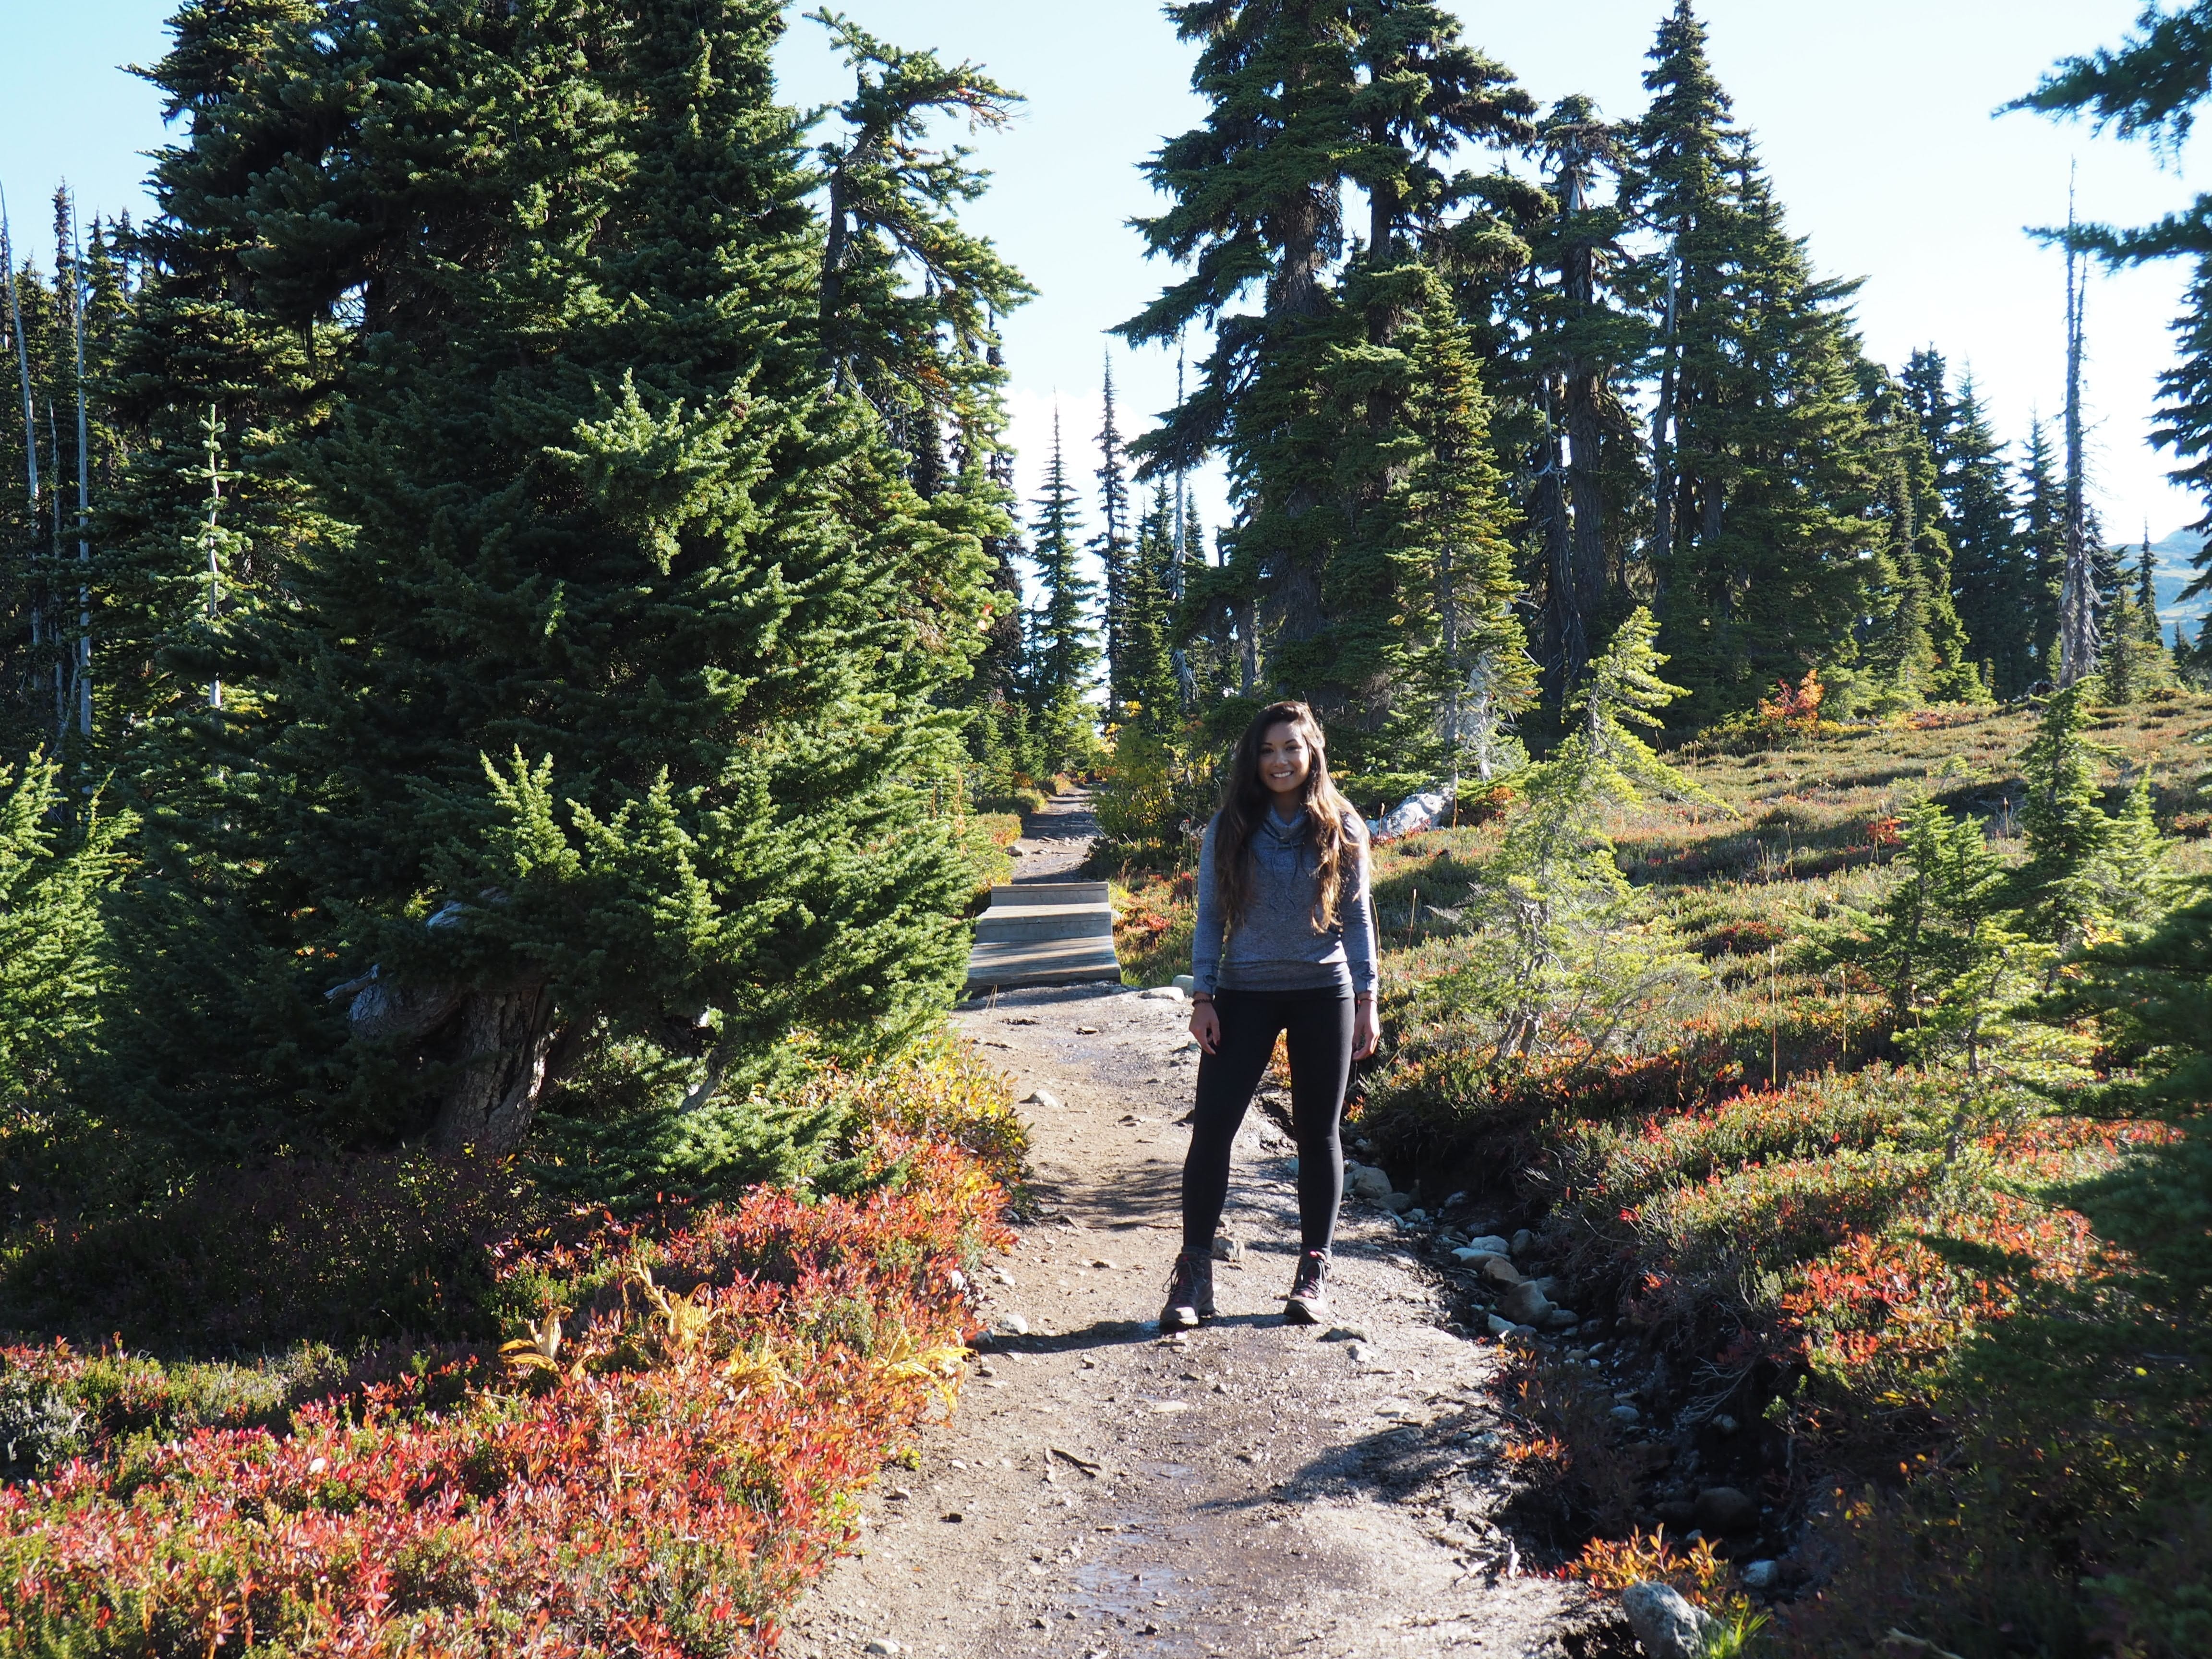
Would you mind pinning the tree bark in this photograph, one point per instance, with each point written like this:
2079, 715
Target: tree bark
505, 1039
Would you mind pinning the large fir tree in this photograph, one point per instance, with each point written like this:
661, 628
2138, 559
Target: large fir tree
608, 642
1304, 395
1062, 647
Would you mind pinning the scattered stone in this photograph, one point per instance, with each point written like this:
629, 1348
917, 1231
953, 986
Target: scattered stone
1499, 1271
1050, 1102
1010, 1324
1345, 1333
1023, 1019
1491, 1244
884, 1644
1162, 994
1549, 1285
1001, 1276
1397, 1203
1455, 1200
1105, 1266
1415, 1218
1086, 1031
1524, 1304
1761, 1575
1562, 1320
1469, 1255
952, 1515
898, 1495
1362, 1354
1522, 1241
1723, 1510
1625, 1415
1185, 983
1228, 1248
1667, 1625
1168, 1408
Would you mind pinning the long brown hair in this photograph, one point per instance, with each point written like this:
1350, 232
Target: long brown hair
1246, 800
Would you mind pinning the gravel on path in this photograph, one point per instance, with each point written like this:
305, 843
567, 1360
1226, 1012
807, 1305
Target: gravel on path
1250, 1489
1056, 840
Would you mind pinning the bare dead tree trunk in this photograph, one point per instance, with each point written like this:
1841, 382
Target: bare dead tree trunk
2077, 599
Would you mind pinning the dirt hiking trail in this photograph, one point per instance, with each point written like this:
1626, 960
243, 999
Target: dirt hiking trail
1249, 1489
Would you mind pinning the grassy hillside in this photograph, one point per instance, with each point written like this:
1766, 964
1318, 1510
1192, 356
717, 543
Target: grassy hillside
1874, 1299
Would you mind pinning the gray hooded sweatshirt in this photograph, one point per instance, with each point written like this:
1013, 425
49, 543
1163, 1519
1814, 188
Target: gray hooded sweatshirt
1276, 946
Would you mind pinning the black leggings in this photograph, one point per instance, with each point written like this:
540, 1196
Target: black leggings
1318, 1025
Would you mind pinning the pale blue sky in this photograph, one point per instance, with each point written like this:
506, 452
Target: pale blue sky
1875, 118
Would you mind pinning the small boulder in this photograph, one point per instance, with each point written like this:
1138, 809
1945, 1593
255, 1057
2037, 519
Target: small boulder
1010, 1324
1162, 994
1345, 1333
1667, 1625
1491, 1244
1455, 1200
1185, 983
1523, 1242
1397, 1203
1043, 1097
1625, 1415
1371, 1184
1228, 1248
1524, 1304
883, 1644
1468, 1256
1725, 1510
1562, 1319
1416, 1217
1362, 1353
1499, 1271
1761, 1575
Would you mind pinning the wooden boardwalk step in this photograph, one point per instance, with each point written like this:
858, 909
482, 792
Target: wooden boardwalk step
1046, 933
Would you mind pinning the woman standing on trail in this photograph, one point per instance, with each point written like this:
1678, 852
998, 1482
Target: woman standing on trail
1286, 945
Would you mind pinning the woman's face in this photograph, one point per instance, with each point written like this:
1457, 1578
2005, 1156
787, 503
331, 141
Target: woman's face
1285, 761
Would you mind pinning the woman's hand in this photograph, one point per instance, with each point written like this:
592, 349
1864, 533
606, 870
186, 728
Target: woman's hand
1205, 1026
1366, 1029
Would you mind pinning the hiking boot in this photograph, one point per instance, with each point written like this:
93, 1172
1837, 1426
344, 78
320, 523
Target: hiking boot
1190, 1292
1308, 1302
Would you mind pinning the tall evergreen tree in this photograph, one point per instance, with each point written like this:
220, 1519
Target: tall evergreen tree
1115, 545
1917, 641
1062, 650
1762, 451
1149, 693
2043, 530
1581, 334
1461, 654
1992, 568
1305, 99
587, 428
892, 208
